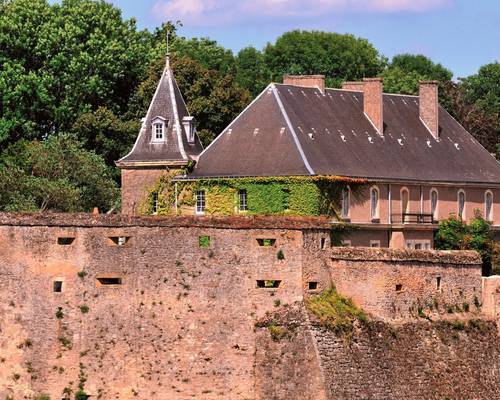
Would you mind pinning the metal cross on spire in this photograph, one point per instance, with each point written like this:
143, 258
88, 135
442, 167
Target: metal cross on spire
168, 43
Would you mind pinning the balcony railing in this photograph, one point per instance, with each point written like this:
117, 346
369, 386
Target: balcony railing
413, 218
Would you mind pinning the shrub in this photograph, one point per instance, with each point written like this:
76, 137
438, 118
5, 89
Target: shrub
59, 313
336, 312
84, 309
82, 274
277, 332
455, 234
43, 397
81, 395
281, 255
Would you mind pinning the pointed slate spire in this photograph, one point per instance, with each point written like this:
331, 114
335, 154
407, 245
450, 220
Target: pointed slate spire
167, 136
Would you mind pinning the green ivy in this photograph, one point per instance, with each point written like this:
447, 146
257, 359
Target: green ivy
294, 195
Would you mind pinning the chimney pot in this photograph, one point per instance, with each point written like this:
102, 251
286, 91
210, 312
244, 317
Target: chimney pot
429, 106
373, 102
312, 81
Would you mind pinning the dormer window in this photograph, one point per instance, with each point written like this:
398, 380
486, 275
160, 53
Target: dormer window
159, 127
189, 127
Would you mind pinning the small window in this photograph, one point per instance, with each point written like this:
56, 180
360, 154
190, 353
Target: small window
57, 286
374, 243
434, 203
438, 283
266, 242
374, 196
312, 285
155, 203
269, 284
399, 288
120, 240
461, 204
158, 130
488, 206
323, 243
242, 200
346, 195
109, 281
200, 202
65, 241
204, 241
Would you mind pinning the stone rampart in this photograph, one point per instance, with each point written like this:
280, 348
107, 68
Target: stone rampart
147, 308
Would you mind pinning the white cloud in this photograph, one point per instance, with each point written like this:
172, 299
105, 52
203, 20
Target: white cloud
210, 12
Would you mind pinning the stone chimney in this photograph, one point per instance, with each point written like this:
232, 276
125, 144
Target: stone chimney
313, 81
354, 86
372, 102
429, 106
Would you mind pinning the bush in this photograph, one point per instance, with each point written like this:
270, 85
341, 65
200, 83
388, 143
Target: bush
335, 311
455, 234
81, 395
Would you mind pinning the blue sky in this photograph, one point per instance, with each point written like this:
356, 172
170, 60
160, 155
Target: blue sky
460, 34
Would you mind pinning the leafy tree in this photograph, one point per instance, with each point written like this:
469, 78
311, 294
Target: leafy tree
339, 57
215, 100
56, 174
251, 70
64, 60
405, 71
455, 234
207, 52
483, 89
422, 65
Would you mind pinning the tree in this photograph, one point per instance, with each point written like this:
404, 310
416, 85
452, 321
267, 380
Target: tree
215, 100
251, 70
207, 52
483, 89
56, 174
455, 234
64, 60
405, 71
339, 57
422, 65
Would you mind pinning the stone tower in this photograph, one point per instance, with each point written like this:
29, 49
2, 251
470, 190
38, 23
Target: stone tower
167, 141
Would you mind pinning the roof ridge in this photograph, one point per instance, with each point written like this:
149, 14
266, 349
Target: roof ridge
170, 78
292, 131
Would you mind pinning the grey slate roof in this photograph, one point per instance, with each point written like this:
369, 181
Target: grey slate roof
302, 131
168, 104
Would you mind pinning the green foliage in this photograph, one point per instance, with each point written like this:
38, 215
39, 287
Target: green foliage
277, 332
56, 174
455, 234
81, 395
280, 255
252, 72
84, 309
204, 241
64, 60
335, 311
340, 57
59, 313
483, 88
266, 195
43, 397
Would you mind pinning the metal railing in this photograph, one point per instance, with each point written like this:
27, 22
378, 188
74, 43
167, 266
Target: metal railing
413, 218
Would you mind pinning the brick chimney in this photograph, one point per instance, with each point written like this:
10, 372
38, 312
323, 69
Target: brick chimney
313, 81
372, 102
355, 86
428, 108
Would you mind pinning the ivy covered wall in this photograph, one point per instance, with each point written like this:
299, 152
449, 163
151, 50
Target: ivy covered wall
295, 195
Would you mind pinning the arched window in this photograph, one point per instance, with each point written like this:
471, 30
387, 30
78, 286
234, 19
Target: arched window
434, 203
346, 199
488, 205
374, 196
461, 204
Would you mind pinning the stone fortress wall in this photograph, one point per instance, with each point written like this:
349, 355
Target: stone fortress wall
166, 308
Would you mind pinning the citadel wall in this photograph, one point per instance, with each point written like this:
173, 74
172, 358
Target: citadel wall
178, 320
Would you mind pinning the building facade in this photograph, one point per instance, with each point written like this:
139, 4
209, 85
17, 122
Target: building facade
389, 166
